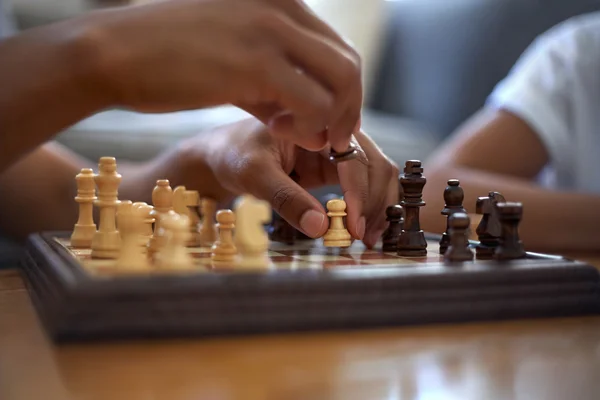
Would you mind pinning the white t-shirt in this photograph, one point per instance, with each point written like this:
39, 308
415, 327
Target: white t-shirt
555, 88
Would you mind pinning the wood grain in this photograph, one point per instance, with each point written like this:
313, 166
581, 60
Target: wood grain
533, 359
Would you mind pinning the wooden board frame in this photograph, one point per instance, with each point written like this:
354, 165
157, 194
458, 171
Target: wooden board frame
75, 306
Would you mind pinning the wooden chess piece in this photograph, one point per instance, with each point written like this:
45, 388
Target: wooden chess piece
453, 198
510, 247
337, 235
130, 221
411, 242
174, 254
458, 231
390, 236
162, 200
107, 241
489, 228
224, 248
250, 237
85, 228
145, 211
281, 231
208, 230
186, 202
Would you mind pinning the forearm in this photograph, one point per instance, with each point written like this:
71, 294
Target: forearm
38, 192
49, 79
553, 221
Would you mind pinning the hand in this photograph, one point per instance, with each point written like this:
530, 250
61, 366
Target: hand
273, 58
246, 159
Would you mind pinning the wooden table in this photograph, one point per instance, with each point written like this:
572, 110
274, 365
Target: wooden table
532, 359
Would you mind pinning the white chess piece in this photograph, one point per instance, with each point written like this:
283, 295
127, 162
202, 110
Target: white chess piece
224, 249
174, 254
186, 202
337, 235
162, 200
251, 238
208, 230
132, 256
85, 228
145, 211
107, 241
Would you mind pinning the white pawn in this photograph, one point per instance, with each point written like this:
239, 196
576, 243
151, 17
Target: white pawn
224, 249
337, 235
106, 241
132, 256
85, 228
162, 200
174, 254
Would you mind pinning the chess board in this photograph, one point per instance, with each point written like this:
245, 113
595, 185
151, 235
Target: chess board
308, 287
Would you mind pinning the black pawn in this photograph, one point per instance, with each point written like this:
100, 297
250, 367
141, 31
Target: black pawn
510, 246
411, 242
281, 231
392, 233
453, 198
458, 229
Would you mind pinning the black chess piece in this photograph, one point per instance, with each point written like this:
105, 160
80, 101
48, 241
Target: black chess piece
390, 236
458, 230
411, 242
510, 247
489, 228
453, 198
282, 231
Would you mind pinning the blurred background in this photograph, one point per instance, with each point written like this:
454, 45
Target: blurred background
428, 65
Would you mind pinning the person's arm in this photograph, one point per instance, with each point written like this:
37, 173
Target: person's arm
172, 56
497, 151
48, 81
38, 192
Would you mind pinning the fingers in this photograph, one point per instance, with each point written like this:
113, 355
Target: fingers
354, 181
383, 189
334, 67
269, 182
302, 132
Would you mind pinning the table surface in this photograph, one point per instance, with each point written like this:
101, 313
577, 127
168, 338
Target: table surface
527, 359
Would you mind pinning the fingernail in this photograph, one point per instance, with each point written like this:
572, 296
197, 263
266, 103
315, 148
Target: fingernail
372, 238
311, 223
360, 228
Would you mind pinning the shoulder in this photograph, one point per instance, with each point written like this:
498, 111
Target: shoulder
554, 87
572, 43
561, 64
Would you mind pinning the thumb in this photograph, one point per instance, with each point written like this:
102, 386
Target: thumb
292, 202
